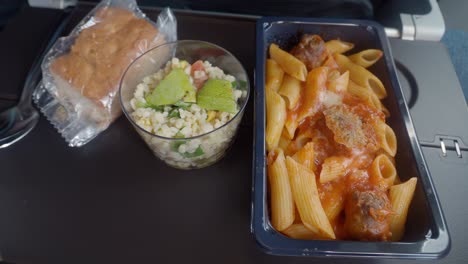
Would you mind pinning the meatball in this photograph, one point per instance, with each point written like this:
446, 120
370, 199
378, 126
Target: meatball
311, 51
368, 215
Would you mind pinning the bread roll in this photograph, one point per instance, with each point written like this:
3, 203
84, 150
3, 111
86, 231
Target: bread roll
100, 55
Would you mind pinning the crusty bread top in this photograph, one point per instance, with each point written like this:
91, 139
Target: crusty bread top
102, 52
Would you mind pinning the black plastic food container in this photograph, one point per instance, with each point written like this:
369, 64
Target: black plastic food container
426, 234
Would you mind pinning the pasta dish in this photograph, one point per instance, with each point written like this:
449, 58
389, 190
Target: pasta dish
331, 166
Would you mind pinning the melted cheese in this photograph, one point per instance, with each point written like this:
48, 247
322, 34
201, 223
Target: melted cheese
330, 98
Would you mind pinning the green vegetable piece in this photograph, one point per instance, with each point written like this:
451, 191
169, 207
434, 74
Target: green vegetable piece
240, 85
217, 95
159, 108
174, 113
175, 147
183, 105
175, 86
179, 135
191, 96
139, 104
198, 152
218, 104
176, 144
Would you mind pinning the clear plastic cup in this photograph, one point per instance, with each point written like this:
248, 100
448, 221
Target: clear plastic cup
213, 144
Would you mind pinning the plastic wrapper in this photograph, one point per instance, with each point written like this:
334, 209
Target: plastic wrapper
82, 72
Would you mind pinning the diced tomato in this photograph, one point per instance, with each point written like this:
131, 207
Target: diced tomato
198, 66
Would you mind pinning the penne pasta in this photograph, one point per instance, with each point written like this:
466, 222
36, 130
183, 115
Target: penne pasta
303, 136
367, 96
338, 83
332, 197
383, 152
284, 142
291, 124
334, 167
315, 87
400, 198
334, 207
290, 89
299, 231
331, 63
304, 189
358, 91
332, 75
382, 172
281, 200
275, 118
361, 75
290, 64
274, 75
387, 139
305, 156
366, 58
338, 46
326, 130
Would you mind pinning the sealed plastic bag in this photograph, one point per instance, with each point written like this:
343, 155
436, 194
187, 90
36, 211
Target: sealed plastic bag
82, 72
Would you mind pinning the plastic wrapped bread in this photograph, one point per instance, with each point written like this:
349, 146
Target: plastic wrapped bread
82, 72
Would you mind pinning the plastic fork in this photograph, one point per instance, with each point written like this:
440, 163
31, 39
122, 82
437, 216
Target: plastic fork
16, 122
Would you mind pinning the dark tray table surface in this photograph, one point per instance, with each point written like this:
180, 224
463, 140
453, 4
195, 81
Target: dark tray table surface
111, 201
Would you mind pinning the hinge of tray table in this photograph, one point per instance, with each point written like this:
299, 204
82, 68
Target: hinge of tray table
444, 147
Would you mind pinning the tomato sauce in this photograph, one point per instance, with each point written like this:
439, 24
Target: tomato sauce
346, 198
333, 194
